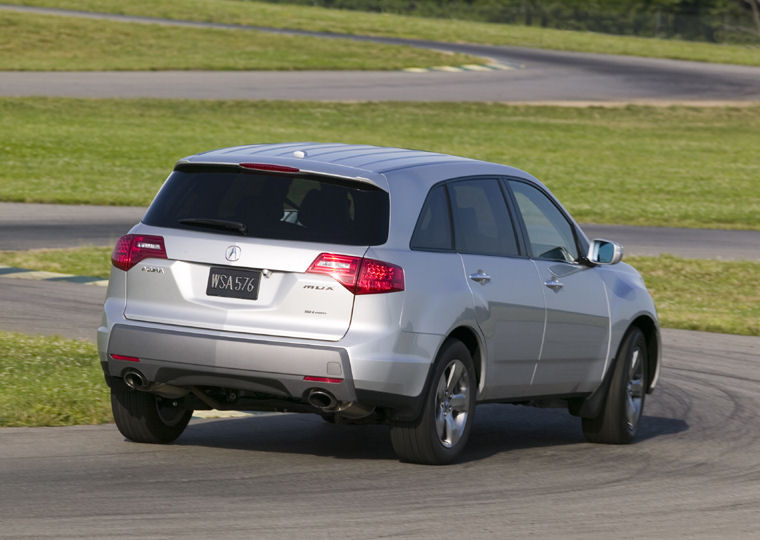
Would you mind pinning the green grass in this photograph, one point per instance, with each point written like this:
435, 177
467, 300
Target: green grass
352, 22
92, 261
677, 166
47, 42
705, 295
50, 381
719, 302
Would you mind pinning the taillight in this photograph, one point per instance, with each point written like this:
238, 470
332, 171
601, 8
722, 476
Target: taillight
130, 249
360, 275
379, 277
342, 268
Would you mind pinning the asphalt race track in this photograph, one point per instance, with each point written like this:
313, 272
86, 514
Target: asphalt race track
50, 308
553, 79
30, 226
538, 76
694, 471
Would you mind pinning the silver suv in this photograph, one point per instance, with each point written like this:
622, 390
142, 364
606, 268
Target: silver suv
370, 284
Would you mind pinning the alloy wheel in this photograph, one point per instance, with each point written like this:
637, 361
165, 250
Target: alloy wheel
452, 403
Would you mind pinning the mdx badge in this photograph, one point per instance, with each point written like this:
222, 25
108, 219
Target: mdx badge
233, 253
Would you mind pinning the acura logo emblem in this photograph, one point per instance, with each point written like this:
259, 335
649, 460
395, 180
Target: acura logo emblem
233, 253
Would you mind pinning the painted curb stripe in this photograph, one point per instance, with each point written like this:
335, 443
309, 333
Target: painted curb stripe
467, 67
476, 67
450, 69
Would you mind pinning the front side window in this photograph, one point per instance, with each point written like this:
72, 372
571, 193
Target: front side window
481, 221
550, 234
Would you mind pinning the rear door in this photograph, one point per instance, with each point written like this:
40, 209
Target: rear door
577, 316
239, 245
509, 303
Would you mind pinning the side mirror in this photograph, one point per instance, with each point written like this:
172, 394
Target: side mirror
605, 252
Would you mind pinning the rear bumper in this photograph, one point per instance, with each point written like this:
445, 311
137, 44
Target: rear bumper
188, 359
276, 368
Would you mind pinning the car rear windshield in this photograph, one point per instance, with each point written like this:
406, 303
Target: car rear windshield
229, 200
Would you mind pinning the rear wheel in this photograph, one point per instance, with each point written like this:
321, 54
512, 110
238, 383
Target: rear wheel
145, 417
441, 432
619, 419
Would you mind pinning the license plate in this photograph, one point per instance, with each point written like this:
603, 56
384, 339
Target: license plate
233, 283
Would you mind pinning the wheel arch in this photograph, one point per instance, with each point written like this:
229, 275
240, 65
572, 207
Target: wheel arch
470, 338
591, 406
652, 335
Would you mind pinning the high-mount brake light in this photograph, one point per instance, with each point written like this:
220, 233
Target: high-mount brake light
130, 249
270, 167
360, 275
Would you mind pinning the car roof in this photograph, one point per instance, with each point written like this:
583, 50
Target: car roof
356, 161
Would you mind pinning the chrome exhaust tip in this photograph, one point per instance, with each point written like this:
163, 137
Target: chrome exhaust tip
321, 399
135, 380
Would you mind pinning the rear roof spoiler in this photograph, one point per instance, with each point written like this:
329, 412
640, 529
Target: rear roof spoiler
276, 169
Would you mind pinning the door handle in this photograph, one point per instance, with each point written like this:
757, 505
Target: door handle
553, 284
480, 277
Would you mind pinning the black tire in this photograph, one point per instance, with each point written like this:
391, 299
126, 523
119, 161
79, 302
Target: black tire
144, 417
441, 432
619, 420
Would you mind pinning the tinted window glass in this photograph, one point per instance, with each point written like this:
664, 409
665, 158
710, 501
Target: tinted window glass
549, 233
481, 222
280, 207
433, 229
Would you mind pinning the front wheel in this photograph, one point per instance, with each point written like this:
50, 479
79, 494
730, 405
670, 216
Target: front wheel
620, 416
145, 417
441, 432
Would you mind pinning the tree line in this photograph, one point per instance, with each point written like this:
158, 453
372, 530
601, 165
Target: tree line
704, 20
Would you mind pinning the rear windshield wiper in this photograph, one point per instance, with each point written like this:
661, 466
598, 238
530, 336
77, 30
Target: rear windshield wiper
221, 224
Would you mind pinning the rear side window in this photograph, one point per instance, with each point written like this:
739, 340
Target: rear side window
228, 200
433, 231
481, 219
